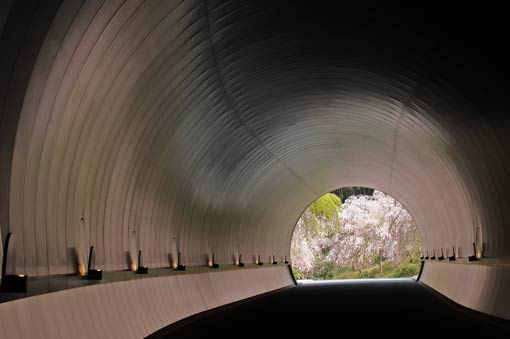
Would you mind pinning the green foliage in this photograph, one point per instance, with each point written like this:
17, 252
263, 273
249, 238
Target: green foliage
405, 270
297, 274
347, 273
371, 272
321, 217
326, 206
324, 270
329, 271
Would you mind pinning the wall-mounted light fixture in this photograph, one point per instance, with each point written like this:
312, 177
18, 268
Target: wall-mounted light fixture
473, 257
93, 274
213, 263
12, 282
141, 269
441, 257
180, 267
452, 257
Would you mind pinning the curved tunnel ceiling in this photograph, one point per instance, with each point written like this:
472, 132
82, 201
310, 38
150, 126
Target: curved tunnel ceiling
216, 123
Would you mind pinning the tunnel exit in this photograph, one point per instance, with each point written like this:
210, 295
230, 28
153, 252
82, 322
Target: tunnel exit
354, 233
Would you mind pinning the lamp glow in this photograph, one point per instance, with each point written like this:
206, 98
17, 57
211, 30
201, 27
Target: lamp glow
81, 270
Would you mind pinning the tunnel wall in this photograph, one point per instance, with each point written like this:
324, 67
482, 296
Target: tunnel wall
165, 134
209, 126
480, 287
134, 308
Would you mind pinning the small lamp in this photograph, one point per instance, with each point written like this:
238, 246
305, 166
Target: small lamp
180, 267
141, 269
441, 257
12, 282
214, 264
473, 257
452, 257
93, 274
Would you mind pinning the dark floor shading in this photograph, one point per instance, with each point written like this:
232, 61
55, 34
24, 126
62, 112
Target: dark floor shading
346, 309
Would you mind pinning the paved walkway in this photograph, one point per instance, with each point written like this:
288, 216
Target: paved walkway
343, 309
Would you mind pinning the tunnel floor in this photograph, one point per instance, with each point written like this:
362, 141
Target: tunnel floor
394, 308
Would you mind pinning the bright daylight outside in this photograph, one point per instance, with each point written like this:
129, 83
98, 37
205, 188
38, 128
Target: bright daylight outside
355, 233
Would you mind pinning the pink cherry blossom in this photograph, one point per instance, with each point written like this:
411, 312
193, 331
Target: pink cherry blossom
365, 231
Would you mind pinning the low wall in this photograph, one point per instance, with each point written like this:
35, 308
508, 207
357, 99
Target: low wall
134, 308
481, 287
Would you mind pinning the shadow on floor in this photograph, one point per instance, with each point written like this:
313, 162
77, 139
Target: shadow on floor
341, 309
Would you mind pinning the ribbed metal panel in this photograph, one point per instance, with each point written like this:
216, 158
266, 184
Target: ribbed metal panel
135, 308
215, 123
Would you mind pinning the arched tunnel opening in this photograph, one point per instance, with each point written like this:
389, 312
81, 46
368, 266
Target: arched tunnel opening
137, 132
357, 232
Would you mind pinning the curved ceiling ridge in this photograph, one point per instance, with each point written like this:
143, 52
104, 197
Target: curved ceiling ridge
215, 123
235, 109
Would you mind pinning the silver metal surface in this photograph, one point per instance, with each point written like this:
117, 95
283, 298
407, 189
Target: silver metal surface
216, 123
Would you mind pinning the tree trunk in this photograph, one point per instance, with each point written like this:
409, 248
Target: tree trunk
380, 263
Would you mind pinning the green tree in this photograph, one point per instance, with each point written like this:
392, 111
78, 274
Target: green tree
319, 222
322, 216
326, 206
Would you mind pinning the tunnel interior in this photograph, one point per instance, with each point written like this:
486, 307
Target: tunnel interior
209, 126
